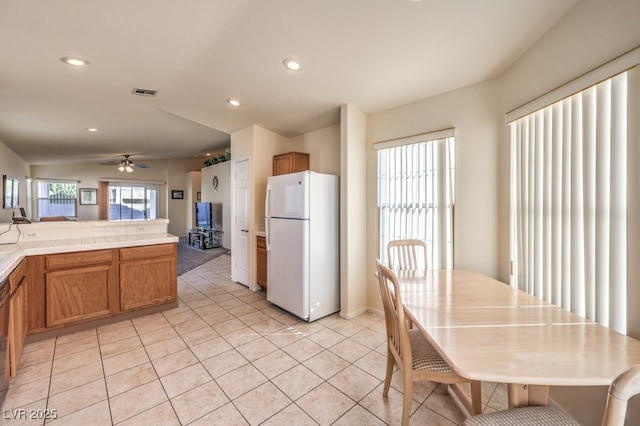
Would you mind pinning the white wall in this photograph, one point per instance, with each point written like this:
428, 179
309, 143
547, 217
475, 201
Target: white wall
14, 166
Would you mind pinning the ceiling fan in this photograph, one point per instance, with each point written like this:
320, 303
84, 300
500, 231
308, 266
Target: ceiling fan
125, 165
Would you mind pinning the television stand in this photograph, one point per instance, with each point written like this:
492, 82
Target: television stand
205, 238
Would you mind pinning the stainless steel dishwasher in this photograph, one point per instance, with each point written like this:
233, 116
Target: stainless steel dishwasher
4, 328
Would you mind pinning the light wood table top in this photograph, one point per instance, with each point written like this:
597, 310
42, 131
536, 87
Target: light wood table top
490, 331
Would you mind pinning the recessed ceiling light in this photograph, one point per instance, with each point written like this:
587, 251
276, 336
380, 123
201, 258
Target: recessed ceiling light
91, 129
291, 64
76, 62
234, 102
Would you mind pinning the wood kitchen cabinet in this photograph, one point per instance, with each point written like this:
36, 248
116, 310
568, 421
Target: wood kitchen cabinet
17, 328
291, 162
262, 262
147, 276
70, 288
80, 286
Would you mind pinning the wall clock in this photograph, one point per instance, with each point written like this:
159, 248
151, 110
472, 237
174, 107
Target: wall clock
215, 183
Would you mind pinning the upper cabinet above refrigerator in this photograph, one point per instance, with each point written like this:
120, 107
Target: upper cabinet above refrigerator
291, 162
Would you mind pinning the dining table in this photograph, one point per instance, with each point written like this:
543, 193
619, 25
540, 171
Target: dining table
490, 331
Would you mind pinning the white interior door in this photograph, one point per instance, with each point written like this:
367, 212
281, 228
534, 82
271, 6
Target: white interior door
241, 247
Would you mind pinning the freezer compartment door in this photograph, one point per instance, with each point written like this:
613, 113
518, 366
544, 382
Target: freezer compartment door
288, 196
288, 265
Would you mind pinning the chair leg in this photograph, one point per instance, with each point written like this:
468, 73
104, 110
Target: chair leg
387, 377
407, 390
476, 397
444, 388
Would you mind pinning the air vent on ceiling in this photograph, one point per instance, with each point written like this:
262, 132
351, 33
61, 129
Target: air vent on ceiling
143, 92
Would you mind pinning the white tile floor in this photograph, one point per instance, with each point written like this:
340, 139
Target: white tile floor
225, 356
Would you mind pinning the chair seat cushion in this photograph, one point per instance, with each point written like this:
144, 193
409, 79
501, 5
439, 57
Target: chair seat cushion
523, 416
425, 357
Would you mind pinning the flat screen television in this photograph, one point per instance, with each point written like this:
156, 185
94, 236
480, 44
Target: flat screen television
203, 215
209, 215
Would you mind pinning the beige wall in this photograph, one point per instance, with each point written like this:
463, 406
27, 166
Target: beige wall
266, 145
353, 213
14, 166
171, 174
221, 195
194, 180
323, 147
473, 112
593, 32
258, 145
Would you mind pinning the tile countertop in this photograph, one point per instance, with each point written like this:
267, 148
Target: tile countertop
84, 237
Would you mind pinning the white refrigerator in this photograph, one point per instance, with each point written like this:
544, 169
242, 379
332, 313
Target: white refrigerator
302, 236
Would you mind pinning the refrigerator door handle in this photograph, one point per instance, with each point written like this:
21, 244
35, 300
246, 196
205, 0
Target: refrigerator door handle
267, 217
267, 239
266, 201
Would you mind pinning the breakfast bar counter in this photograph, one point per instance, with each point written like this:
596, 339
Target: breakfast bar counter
20, 240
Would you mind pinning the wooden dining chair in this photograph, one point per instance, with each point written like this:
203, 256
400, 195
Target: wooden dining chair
417, 359
626, 385
53, 219
407, 254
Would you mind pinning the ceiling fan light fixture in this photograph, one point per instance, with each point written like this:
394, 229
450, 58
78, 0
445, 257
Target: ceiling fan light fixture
126, 165
74, 61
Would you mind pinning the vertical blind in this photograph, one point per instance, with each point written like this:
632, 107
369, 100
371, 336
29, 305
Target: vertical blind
416, 195
569, 202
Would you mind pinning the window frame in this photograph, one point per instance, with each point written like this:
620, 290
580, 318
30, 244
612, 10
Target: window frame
152, 203
433, 176
49, 182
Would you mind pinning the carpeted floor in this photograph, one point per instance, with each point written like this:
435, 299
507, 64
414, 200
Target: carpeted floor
190, 257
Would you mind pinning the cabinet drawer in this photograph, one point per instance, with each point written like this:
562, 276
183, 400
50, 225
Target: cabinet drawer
147, 252
15, 277
78, 258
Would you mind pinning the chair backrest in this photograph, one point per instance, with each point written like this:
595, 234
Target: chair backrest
407, 254
53, 219
397, 333
626, 385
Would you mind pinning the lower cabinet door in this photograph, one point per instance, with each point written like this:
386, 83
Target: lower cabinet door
77, 295
147, 282
17, 331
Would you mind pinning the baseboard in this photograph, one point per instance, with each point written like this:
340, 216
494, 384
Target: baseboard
359, 312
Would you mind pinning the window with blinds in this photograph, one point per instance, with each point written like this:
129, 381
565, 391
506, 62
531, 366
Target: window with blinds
416, 188
569, 202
